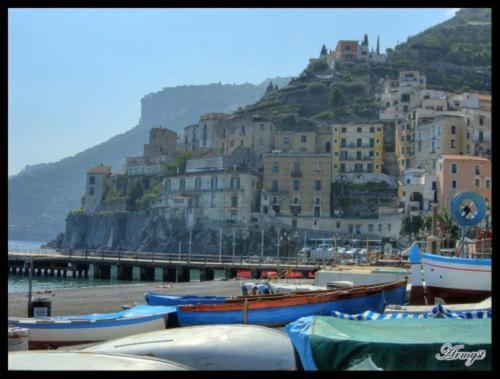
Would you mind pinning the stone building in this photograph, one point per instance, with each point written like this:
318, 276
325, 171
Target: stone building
356, 149
418, 193
297, 185
95, 188
221, 195
203, 135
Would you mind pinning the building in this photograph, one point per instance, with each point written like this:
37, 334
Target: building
312, 141
357, 149
297, 185
346, 50
418, 193
458, 173
95, 188
254, 133
203, 134
221, 195
158, 152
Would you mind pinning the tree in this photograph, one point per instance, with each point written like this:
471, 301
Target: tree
337, 98
276, 87
411, 226
270, 88
136, 191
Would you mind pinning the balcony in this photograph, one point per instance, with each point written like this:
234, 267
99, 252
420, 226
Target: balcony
356, 146
296, 174
363, 158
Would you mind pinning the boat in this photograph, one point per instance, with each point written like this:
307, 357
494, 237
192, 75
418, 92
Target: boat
211, 347
484, 305
172, 300
278, 310
456, 279
80, 329
330, 343
86, 361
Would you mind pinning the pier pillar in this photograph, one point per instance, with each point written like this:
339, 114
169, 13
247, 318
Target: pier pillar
58, 272
159, 273
147, 273
64, 273
136, 273
73, 273
86, 273
91, 271
114, 272
125, 272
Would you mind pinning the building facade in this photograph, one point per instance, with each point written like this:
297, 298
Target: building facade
356, 148
220, 195
95, 188
297, 185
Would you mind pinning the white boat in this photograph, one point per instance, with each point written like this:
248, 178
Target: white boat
86, 361
456, 279
74, 330
211, 347
484, 305
289, 288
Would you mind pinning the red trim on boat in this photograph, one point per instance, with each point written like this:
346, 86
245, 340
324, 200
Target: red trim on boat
455, 268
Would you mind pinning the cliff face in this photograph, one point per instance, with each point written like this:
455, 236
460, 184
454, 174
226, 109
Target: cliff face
136, 231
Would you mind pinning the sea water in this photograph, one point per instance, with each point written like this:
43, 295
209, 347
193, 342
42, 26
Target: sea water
19, 283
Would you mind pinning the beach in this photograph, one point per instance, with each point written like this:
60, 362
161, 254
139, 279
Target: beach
110, 298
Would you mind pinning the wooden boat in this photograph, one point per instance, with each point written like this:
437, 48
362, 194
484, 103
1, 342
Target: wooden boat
74, 330
170, 300
211, 347
456, 279
329, 343
79, 360
277, 310
420, 309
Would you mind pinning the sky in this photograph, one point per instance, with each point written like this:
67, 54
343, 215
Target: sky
76, 76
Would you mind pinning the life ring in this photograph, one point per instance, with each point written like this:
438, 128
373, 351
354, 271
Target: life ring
462, 214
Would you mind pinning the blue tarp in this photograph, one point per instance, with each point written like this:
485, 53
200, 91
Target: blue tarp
300, 334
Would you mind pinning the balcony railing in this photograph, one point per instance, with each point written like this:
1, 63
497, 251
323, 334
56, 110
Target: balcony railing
296, 174
355, 145
363, 158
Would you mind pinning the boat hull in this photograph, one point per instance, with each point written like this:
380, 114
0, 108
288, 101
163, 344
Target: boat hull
74, 333
169, 300
457, 280
283, 311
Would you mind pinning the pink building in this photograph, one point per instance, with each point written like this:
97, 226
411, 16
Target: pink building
458, 173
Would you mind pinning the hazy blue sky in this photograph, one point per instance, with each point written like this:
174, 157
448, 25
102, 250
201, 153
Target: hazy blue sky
76, 76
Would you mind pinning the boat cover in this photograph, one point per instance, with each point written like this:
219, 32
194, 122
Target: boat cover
438, 311
170, 300
136, 311
328, 343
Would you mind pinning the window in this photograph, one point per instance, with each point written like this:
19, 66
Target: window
167, 185
453, 144
275, 199
453, 184
213, 182
286, 140
338, 225
372, 130
296, 185
91, 191
358, 229
342, 142
92, 180
468, 135
358, 142
235, 182
276, 166
434, 185
405, 98
303, 139
468, 149
488, 183
359, 130
182, 184
197, 184
453, 129
370, 227
275, 185
327, 147
453, 168
481, 136
296, 200
234, 201
371, 142
342, 167
389, 227
343, 130
379, 129
234, 215
379, 227
478, 171
481, 120
350, 228
477, 183
317, 211
317, 185
317, 166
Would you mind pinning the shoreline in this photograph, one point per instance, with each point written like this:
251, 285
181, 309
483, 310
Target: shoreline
110, 298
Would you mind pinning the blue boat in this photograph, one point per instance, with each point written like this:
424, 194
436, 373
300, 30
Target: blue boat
172, 300
280, 310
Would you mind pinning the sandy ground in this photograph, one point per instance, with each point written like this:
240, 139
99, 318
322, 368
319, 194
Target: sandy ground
107, 299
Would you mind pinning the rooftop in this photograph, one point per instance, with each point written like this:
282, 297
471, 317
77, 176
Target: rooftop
100, 170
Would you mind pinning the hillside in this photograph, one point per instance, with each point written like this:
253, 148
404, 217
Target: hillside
41, 195
455, 55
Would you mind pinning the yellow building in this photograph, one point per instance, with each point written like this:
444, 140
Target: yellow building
357, 148
296, 185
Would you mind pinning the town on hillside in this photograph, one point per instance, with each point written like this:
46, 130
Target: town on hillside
236, 170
